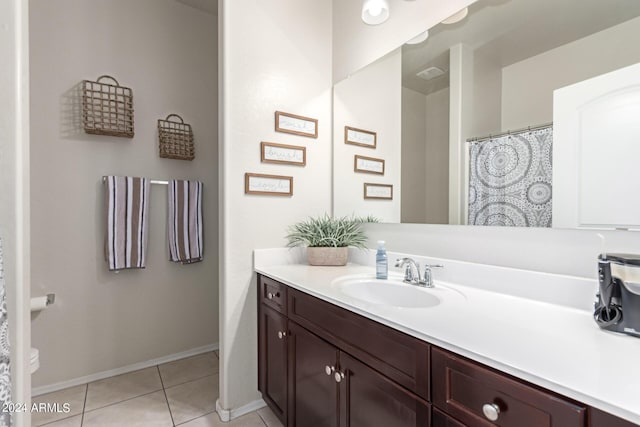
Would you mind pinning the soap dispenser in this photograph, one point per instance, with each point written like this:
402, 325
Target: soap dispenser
382, 264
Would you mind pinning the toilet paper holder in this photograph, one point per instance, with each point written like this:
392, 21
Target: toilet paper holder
40, 303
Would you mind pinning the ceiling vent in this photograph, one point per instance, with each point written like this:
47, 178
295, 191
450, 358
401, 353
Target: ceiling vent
430, 73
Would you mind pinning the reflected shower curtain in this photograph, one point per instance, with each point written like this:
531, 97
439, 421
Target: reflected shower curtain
510, 180
5, 376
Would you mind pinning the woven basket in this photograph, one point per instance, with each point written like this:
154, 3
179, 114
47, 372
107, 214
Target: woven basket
107, 109
176, 139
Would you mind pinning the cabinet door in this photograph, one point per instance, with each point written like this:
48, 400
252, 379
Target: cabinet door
368, 399
438, 419
313, 394
272, 360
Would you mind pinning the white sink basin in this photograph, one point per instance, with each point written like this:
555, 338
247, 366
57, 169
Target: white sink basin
392, 292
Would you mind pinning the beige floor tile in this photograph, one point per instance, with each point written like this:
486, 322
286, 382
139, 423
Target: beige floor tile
74, 396
212, 420
149, 410
193, 399
269, 417
122, 387
75, 421
189, 369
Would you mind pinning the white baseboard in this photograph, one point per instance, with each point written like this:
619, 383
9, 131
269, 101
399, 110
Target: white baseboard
227, 415
37, 391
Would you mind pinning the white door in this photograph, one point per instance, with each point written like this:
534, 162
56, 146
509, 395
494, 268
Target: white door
596, 153
14, 193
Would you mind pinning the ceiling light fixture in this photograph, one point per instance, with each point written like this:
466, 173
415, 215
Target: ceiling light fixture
419, 38
457, 17
375, 12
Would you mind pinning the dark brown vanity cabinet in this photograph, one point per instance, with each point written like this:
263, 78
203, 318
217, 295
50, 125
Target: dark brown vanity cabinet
323, 366
338, 371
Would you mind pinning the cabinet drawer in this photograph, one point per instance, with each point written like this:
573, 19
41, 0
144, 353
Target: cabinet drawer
273, 294
463, 388
398, 356
597, 418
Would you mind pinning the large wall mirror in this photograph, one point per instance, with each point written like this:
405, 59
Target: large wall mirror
523, 113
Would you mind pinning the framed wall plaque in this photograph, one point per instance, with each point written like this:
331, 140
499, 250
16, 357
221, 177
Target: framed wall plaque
270, 185
361, 137
378, 191
297, 125
368, 165
270, 152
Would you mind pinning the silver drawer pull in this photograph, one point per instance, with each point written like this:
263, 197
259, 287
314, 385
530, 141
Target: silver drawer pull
491, 411
339, 376
281, 334
271, 295
329, 370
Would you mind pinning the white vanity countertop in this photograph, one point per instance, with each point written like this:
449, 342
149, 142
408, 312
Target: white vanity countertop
555, 346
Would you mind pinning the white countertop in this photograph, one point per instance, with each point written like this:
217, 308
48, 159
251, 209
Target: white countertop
554, 344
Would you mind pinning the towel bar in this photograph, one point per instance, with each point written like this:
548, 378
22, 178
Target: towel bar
153, 181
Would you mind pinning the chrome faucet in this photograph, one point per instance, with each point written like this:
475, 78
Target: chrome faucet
414, 278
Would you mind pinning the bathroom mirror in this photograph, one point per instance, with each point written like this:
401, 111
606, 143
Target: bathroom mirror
463, 121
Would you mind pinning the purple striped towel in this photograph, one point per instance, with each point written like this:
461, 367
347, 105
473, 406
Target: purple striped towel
185, 221
127, 223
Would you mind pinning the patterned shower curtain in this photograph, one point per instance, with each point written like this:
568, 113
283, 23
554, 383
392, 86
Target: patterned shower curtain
510, 180
5, 376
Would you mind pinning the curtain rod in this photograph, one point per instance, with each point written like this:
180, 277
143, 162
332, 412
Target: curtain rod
153, 181
510, 132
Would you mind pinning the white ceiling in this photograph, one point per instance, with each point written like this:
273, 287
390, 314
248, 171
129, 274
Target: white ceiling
513, 30
208, 6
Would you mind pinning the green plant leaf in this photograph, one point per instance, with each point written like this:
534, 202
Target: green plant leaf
325, 231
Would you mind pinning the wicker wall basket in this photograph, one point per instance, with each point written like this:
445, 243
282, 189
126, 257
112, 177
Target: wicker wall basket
176, 139
107, 109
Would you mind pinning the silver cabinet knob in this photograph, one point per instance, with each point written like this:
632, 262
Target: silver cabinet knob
339, 376
491, 411
271, 295
329, 369
281, 334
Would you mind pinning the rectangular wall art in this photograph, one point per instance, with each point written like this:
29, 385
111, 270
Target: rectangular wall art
297, 125
271, 185
378, 191
361, 137
270, 152
368, 165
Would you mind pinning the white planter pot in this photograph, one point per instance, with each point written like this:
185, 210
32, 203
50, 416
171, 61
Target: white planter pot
327, 256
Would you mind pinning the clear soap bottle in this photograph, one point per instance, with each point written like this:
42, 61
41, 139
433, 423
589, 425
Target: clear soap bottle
382, 263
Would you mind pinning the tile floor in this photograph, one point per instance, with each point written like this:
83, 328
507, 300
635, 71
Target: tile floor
182, 392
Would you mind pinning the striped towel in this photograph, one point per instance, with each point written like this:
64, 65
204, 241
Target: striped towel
127, 224
185, 221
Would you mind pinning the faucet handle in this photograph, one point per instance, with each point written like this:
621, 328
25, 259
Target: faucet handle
427, 279
401, 261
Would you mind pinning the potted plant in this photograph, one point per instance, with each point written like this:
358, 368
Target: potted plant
328, 239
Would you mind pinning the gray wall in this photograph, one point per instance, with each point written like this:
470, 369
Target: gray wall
167, 53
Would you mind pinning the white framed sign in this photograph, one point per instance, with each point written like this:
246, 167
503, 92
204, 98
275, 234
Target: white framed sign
378, 191
297, 125
361, 137
368, 165
270, 152
271, 185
